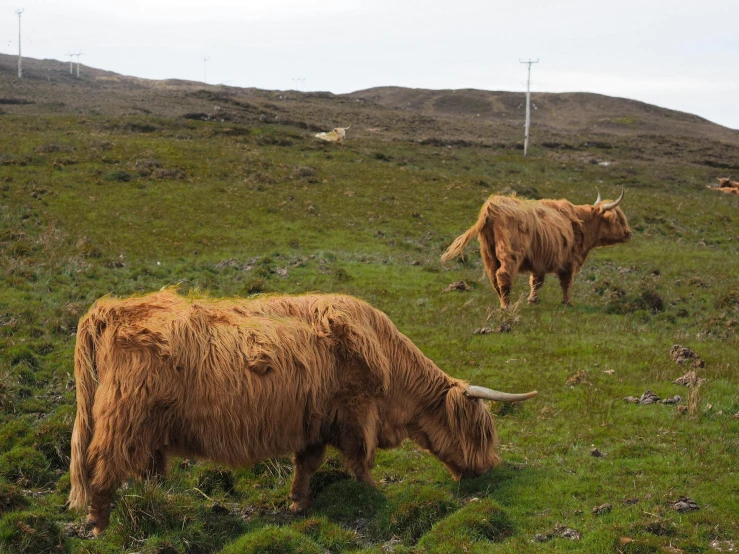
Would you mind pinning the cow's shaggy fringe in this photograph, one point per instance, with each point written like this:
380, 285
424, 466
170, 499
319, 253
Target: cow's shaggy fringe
237, 381
540, 237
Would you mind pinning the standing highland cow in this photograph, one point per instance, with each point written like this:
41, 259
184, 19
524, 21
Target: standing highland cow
540, 237
238, 381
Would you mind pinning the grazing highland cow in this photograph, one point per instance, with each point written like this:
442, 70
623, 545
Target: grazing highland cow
238, 381
540, 237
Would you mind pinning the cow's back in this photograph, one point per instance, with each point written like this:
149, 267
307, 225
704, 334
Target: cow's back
239, 380
539, 234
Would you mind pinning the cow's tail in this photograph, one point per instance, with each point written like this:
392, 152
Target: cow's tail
459, 244
87, 380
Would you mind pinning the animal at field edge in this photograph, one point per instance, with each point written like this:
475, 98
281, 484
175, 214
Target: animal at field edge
727, 186
540, 237
338, 134
236, 381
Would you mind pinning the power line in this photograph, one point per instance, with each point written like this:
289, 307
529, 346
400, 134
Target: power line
528, 106
20, 58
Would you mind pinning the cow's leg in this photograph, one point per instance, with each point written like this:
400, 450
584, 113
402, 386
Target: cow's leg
491, 264
306, 463
358, 449
105, 480
565, 280
505, 276
535, 281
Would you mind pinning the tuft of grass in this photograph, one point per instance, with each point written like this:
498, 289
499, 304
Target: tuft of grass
215, 479
412, 510
143, 511
349, 500
11, 498
25, 466
273, 540
479, 521
330, 536
29, 533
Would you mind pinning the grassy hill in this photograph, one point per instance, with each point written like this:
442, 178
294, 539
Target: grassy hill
111, 184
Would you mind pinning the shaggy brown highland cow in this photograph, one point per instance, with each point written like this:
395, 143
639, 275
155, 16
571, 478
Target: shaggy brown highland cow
237, 381
540, 237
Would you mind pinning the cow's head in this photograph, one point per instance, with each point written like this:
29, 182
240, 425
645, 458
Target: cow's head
607, 223
460, 431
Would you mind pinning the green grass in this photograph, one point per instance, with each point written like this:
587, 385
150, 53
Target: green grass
91, 206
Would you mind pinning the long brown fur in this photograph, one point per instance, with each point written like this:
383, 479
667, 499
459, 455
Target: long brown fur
237, 381
539, 237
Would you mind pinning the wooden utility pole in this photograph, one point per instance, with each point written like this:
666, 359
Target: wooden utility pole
20, 58
528, 107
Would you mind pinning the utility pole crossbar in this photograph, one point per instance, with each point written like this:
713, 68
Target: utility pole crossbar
528, 106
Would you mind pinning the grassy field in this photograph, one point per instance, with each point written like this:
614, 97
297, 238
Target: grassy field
93, 205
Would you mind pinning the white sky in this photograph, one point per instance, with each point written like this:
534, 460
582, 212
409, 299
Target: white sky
677, 54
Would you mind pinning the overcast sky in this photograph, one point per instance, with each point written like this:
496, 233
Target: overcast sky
677, 54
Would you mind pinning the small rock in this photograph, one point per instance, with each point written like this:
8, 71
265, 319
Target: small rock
723, 546
690, 379
630, 501
502, 328
632, 399
461, 286
681, 354
579, 377
595, 453
609, 371
685, 504
602, 509
568, 533
559, 531
648, 398
674, 400
281, 271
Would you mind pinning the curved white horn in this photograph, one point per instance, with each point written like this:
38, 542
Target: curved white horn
615, 203
598, 200
490, 394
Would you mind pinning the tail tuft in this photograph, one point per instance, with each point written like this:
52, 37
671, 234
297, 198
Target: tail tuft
459, 244
85, 374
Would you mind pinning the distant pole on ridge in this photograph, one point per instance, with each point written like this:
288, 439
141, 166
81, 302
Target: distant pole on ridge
78, 54
20, 58
205, 70
71, 62
528, 107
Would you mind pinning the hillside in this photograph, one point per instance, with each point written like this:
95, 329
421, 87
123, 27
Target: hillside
568, 122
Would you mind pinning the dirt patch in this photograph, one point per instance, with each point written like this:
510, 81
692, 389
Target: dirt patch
461, 286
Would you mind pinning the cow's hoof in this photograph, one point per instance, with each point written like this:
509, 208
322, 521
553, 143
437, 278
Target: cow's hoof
92, 528
568, 304
533, 300
299, 506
